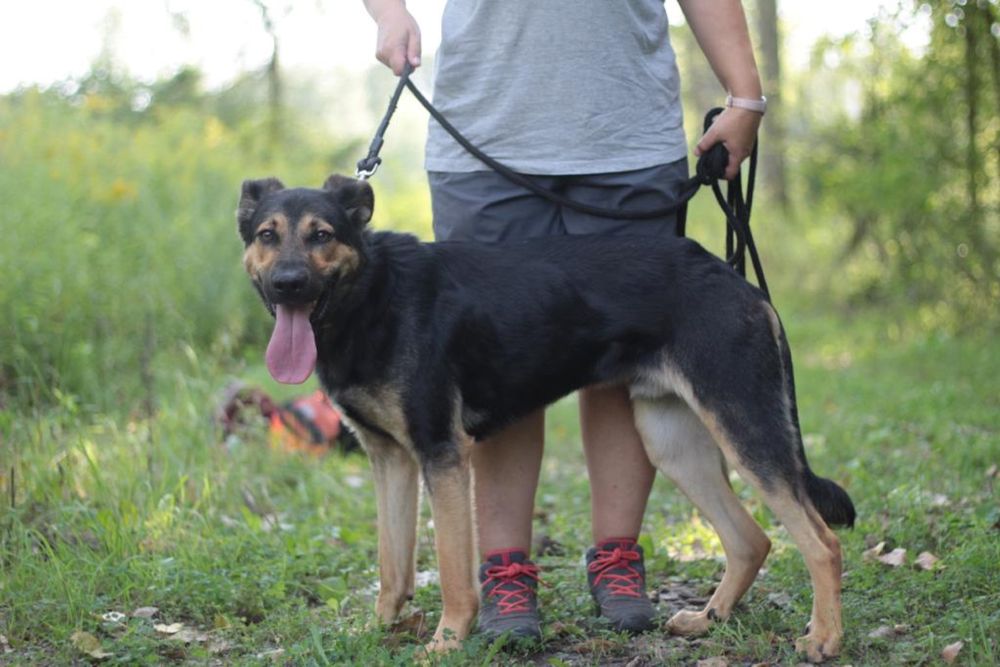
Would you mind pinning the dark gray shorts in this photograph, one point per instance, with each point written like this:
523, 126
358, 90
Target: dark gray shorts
484, 206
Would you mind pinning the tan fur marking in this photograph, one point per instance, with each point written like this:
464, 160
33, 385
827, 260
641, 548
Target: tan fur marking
381, 405
682, 449
259, 257
819, 547
332, 258
397, 492
818, 544
335, 259
450, 491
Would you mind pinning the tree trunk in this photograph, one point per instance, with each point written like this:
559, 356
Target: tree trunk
773, 148
274, 87
971, 111
990, 17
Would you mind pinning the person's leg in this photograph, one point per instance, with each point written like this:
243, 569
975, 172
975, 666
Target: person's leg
621, 475
485, 207
507, 467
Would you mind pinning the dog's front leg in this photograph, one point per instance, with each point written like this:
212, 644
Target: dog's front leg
449, 485
397, 491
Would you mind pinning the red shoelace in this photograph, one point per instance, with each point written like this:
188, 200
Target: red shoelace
619, 583
514, 595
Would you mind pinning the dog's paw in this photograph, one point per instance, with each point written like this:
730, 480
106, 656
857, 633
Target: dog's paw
690, 623
388, 608
818, 648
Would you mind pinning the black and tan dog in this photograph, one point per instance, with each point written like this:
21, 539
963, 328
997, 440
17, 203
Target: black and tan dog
428, 346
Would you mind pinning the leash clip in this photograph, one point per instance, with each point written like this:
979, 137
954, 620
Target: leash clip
365, 174
369, 165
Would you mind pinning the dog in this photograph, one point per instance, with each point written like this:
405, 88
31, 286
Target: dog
427, 347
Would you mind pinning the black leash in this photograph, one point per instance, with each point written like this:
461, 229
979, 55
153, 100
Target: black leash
709, 170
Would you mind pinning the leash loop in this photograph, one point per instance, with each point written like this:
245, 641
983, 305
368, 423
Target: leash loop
709, 170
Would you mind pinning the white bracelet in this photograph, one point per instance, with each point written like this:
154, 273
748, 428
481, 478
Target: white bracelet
760, 106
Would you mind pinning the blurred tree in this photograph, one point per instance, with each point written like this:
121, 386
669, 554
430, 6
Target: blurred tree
909, 166
274, 79
773, 128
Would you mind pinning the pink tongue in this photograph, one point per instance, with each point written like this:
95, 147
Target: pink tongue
291, 354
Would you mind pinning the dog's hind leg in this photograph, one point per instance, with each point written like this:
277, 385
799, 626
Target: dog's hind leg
397, 492
449, 486
681, 447
784, 490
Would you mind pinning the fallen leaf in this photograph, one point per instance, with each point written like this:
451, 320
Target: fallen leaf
145, 612
950, 652
881, 632
781, 600
217, 646
544, 545
5, 644
926, 561
712, 662
171, 629
993, 471
874, 552
894, 558
273, 654
426, 578
940, 500
189, 635
886, 631
84, 642
414, 624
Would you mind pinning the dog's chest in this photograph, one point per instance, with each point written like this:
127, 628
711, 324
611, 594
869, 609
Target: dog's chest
374, 409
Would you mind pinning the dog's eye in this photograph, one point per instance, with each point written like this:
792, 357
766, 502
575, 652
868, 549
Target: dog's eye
322, 236
267, 236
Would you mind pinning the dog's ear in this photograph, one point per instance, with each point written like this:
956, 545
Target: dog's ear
250, 195
354, 195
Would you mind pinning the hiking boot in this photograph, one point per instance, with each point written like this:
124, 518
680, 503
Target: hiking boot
509, 604
617, 580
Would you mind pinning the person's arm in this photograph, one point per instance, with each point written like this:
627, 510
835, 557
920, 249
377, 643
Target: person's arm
398, 34
720, 27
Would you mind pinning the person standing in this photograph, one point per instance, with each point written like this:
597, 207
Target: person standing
582, 97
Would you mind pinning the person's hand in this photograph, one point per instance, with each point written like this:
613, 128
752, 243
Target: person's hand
398, 38
737, 130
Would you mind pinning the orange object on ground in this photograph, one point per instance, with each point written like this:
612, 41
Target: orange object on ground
307, 424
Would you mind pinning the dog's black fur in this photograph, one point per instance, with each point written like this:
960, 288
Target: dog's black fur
497, 331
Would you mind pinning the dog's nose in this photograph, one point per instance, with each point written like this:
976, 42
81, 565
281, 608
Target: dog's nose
289, 281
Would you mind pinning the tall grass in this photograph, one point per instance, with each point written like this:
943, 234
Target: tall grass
119, 244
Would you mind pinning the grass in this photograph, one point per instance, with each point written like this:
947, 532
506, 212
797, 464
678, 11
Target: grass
265, 556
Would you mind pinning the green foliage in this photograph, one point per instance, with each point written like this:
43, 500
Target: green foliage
258, 551
120, 250
914, 167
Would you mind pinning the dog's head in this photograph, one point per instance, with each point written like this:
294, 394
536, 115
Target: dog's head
300, 243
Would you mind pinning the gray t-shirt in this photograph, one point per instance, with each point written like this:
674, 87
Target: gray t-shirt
557, 86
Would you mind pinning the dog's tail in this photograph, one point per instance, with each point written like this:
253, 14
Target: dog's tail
828, 497
830, 500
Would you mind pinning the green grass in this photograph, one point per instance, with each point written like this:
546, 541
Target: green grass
259, 552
